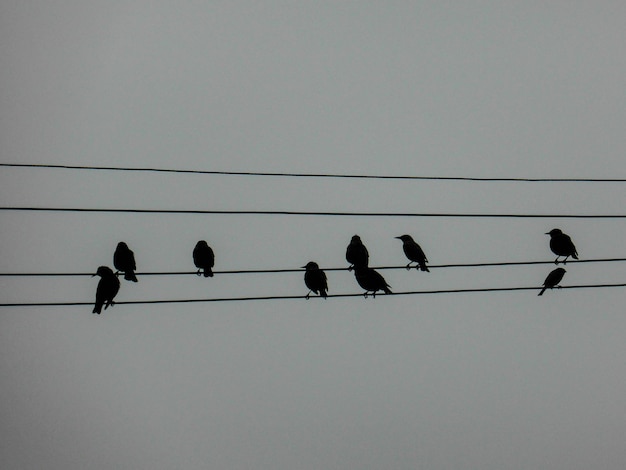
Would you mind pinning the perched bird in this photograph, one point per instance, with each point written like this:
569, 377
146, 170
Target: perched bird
107, 289
561, 245
414, 252
203, 258
315, 279
552, 280
370, 280
124, 261
356, 253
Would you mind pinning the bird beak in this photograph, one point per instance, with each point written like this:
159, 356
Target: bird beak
547, 233
303, 267
398, 238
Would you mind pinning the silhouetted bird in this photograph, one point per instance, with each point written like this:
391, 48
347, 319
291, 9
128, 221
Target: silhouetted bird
108, 286
356, 253
414, 252
124, 260
561, 245
552, 280
370, 280
203, 258
315, 279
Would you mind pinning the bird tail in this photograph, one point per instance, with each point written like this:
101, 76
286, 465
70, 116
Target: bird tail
97, 309
130, 276
424, 268
323, 293
542, 291
387, 290
208, 272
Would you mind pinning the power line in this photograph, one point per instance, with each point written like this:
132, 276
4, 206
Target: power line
293, 297
316, 175
301, 270
313, 213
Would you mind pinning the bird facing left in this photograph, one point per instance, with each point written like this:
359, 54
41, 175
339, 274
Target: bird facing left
108, 287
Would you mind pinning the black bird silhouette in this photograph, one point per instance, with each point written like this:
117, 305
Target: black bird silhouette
356, 253
370, 280
107, 289
124, 261
315, 279
414, 252
203, 258
561, 245
552, 280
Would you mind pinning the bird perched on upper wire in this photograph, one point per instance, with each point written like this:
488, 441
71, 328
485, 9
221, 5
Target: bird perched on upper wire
552, 280
315, 279
561, 245
124, 261
371, 280
203, 258
107, 289
356, 253
414, 253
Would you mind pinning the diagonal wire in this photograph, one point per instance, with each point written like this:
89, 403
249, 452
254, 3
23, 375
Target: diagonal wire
296, 270
293, 297
314, 175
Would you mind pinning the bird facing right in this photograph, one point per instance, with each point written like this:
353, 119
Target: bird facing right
203, 258
561, 245
315, 279
413, 252
552, 280
356, 253
107, 289
371, 280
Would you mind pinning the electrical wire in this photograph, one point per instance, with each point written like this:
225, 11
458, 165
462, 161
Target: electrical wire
313, 213
315, 175
293, 297
301, 270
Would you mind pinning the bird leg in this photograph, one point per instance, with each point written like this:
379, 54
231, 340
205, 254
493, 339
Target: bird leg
350, 267
308, 295
365, 295
198, 273
408, 266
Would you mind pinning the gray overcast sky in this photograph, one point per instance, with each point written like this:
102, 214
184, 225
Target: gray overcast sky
493, 381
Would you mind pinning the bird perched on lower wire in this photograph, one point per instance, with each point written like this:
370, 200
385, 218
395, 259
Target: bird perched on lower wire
561, 245
356, 253
414, 252
552, 280
371, 280
315, 279
107, 289
203, 258
124, 261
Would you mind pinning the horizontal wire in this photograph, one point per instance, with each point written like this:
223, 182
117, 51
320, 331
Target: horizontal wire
295, 270
315, 175
314, 213
292, 297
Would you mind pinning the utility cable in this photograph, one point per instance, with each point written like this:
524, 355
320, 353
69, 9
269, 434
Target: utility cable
315, 213
301, 270
315, 175
293, 297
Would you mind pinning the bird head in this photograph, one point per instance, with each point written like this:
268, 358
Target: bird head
122, 246
311, 265
405, 238
356, 240
554, 232
103, 271
202, 243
